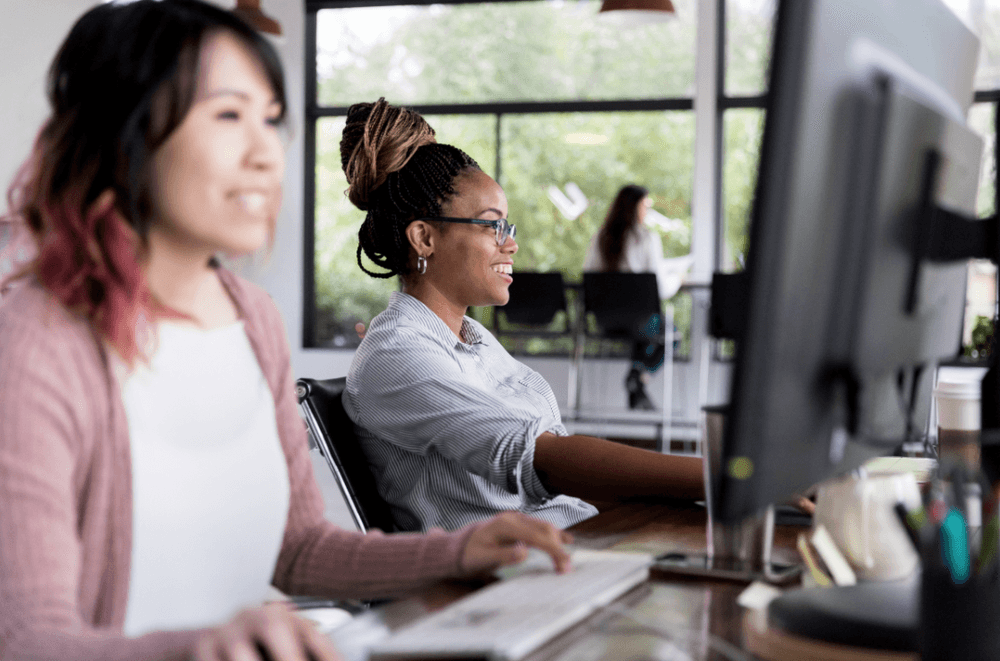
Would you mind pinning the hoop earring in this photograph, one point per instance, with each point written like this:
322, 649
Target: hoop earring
421, 264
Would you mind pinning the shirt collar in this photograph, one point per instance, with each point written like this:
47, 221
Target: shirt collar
414, 309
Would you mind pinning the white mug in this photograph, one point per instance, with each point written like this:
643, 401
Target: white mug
859, 513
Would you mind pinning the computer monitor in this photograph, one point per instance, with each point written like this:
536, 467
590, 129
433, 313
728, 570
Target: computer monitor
845, 321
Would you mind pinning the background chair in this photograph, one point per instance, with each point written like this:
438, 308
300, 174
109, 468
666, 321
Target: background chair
535, 299
333, 433
622, 305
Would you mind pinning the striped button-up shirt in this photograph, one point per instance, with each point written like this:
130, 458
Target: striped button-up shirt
449, 427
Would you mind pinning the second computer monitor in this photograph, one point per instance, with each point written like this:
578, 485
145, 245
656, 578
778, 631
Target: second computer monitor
842, 320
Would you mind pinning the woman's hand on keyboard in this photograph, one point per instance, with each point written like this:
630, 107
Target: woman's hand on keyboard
504, 539
273, 630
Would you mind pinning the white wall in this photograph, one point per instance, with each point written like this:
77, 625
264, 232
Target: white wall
30, 33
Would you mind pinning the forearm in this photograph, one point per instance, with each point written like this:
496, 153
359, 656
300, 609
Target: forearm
344, 564
596, 469
41, 643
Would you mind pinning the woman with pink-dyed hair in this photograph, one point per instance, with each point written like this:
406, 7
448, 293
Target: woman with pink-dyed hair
154, 472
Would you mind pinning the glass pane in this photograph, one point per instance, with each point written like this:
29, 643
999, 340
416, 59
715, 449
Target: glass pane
749, 26
988, 71
596, 153
983, 18
980, 304
344, 294
742, 131
981, 293
982, 122
501, 51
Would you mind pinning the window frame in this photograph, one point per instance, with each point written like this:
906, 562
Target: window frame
315, 112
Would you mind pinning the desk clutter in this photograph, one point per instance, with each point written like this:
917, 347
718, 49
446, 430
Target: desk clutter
945, 605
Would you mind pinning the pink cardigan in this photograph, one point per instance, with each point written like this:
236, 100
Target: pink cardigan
66, 502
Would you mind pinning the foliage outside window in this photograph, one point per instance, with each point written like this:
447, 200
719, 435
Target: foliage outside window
534, 52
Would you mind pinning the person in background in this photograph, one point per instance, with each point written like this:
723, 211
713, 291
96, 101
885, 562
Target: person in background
154, 472
454, 428
625, 244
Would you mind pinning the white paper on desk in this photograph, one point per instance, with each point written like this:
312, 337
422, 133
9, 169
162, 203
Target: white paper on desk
671, 274
758, 595
325, 619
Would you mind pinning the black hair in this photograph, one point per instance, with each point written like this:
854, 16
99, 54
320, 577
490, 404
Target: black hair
122, 82
622, 218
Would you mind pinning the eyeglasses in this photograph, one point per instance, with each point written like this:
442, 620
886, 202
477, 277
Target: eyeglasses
503, 229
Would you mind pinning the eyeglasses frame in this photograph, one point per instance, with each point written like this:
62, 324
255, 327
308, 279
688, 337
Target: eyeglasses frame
495, 224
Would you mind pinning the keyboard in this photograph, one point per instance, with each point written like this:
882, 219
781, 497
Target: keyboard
529, 606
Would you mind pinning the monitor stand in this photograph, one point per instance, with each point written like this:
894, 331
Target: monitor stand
736, 552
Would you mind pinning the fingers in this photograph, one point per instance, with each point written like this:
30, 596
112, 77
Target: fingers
514, 527
320, 647
805, 505
271, 633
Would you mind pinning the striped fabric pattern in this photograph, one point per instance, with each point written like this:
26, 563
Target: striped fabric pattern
449, 427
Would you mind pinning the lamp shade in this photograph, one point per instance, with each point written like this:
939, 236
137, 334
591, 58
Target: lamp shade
638, 11
249, 11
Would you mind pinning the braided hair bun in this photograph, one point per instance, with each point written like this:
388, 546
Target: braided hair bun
379, 139
396, 172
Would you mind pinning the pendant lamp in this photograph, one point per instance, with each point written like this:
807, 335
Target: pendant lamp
249, 11
638, 11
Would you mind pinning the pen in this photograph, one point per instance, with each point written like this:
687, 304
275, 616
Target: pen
955, 545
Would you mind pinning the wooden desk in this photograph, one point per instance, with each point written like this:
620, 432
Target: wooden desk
668, 617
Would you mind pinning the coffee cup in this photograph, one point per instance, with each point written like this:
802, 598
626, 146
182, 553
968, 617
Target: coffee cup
858, 511
958, 421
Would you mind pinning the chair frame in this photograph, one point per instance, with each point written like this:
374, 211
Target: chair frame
321, 437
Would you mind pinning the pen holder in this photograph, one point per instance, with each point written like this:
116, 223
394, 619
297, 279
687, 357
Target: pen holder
958, 620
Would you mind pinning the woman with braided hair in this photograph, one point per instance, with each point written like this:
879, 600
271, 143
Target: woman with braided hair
454, 428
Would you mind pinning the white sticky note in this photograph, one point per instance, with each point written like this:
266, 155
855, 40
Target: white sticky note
834, 560
758, 595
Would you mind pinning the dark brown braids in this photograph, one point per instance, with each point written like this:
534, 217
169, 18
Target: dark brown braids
397, 172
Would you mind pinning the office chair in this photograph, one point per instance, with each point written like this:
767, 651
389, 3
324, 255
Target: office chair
333, 433
623, 304
535, 298
620, 302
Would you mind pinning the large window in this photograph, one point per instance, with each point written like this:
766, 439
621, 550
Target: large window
546, 94
542, 94
747, 26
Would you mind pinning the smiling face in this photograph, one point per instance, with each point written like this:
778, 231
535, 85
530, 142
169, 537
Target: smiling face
467, 265
217, 178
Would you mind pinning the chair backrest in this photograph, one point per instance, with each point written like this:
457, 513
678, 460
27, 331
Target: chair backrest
620, 302
535, 298
333, 432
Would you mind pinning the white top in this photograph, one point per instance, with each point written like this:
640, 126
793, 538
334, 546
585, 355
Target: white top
643, 253
209, 480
